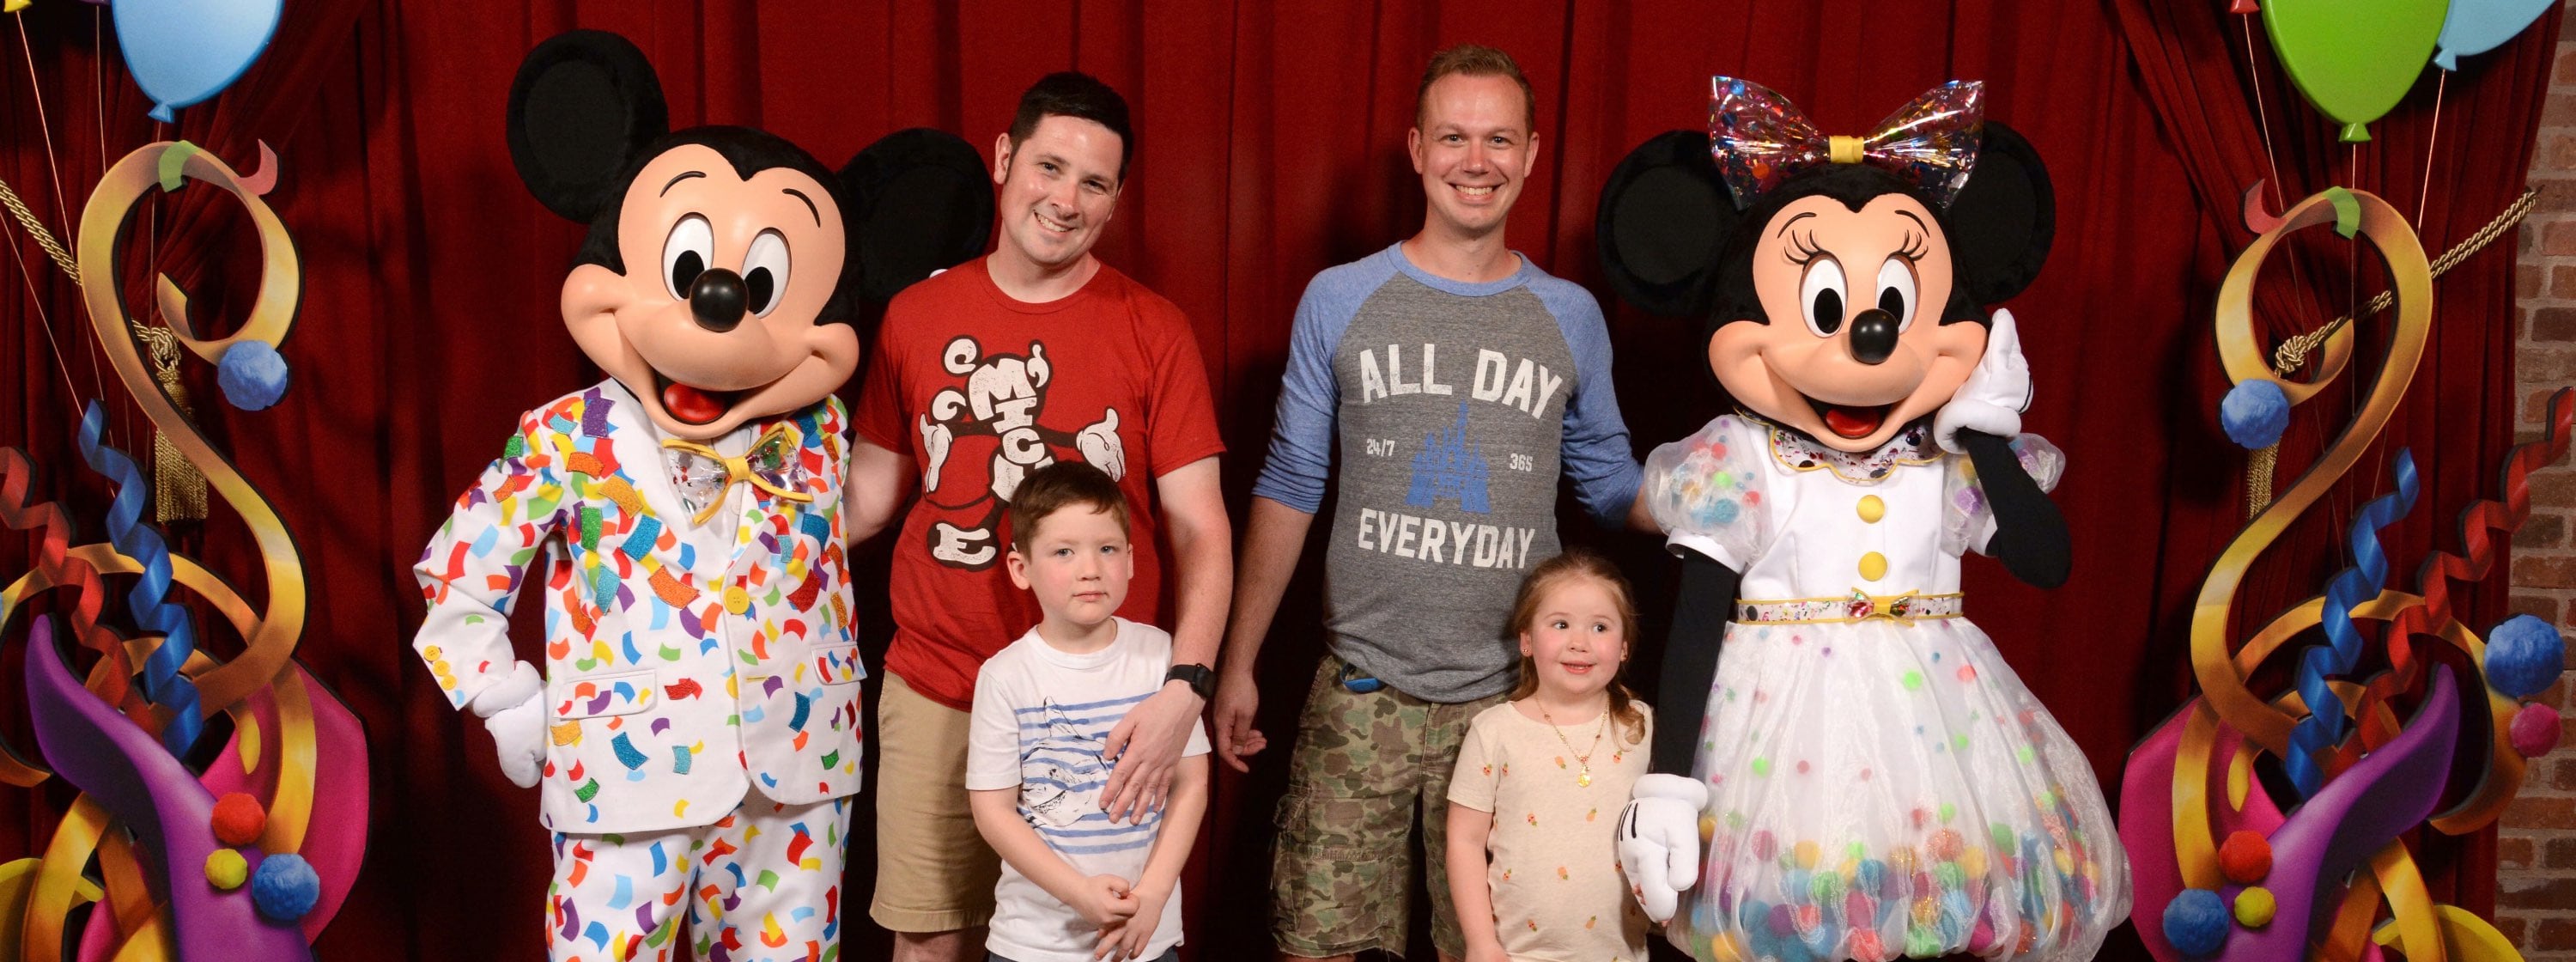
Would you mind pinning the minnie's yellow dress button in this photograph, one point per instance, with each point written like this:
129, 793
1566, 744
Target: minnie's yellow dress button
1873, 566
1872, 509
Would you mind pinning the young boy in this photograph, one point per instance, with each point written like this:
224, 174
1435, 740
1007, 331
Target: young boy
1075, 882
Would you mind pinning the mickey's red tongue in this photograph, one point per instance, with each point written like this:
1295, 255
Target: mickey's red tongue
690, 404
1854, 422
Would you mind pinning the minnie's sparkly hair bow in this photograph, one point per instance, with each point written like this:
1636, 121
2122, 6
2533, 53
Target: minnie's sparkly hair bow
1760, 139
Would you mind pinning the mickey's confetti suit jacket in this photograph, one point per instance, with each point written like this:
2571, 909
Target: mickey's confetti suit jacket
680, 669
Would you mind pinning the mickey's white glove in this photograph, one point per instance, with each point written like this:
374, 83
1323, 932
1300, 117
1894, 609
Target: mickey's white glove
514, 711
1100, 446
1659, 841
1995, 394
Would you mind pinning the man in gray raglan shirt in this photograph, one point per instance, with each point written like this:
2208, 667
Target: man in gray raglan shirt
1461, 379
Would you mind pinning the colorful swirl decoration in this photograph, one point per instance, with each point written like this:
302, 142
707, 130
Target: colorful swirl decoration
2222, 871
250, 855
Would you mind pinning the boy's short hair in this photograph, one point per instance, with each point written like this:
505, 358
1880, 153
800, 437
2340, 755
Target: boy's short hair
1475, 60
1059, 486
1072, 93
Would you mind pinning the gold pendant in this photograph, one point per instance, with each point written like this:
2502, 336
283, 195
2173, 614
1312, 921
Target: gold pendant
1583, 780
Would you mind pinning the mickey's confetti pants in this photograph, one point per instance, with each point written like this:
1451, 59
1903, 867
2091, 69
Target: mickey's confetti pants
762, 884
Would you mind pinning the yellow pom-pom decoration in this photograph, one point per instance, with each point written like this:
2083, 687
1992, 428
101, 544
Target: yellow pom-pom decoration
2254, 907
226, 869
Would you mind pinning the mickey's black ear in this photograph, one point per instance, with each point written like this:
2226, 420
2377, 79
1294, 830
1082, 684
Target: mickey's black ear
584, 104
1664, 217
2003, 221
921, 201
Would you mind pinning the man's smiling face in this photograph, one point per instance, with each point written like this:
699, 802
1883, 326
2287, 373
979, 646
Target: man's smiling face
1474, 148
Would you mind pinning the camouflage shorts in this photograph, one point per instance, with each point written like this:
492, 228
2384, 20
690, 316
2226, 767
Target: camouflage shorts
1364, 765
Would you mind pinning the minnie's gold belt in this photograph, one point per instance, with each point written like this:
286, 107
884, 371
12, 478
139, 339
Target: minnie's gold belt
1904, 609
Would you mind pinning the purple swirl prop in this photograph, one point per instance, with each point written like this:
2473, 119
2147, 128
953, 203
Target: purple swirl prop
149, 599
152, 793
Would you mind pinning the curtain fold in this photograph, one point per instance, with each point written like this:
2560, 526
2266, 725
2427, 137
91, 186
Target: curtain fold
1271, 140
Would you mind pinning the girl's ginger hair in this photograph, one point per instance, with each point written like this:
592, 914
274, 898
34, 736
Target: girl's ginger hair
1580, 564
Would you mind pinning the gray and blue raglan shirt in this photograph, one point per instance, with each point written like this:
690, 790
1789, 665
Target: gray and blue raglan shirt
1457, 405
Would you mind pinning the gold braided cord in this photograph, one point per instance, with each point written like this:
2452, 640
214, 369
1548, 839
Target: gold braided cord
44, 238
2293, 353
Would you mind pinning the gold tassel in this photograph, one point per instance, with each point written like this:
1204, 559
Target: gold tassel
2258, 480
178, 490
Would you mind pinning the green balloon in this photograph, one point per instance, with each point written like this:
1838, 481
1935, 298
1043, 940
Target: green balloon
2354, 59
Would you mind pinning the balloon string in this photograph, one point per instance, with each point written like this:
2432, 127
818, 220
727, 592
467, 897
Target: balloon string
2263, 119
43, 125
2263, 114
36, 299
97, 76
2430, 140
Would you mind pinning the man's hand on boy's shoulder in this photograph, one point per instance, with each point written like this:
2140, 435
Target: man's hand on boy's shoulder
1146, 745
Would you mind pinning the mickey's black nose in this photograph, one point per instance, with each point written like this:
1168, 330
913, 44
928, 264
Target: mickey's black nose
716, 299
1873, 336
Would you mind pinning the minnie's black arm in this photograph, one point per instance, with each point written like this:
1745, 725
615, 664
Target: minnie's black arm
2030, 536
1700, 614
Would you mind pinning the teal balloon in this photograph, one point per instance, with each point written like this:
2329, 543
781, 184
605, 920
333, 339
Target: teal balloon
2477, 26
2353, 59
184, 51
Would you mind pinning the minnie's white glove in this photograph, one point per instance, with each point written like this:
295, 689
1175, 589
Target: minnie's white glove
514, 711
1659, 841
1995, 394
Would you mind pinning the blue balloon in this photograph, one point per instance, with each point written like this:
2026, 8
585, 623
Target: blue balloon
2474, 26
184, 51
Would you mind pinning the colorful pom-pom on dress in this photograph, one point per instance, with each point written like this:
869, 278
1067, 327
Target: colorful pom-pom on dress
1881, 782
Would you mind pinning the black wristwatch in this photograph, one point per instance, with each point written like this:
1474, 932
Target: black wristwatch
1200, 679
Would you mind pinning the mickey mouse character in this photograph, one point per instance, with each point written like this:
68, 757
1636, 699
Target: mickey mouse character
1869, 776
696, 730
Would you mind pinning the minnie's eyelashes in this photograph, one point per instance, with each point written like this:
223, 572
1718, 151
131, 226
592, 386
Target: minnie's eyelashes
1803, 249
1915, 249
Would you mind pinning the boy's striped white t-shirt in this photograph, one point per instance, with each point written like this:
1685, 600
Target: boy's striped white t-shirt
1040, 719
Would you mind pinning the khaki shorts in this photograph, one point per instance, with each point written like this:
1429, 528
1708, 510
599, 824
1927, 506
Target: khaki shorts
1364, 766
934, 871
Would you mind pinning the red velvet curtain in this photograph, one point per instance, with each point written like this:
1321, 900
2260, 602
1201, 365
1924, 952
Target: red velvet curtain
1270, 139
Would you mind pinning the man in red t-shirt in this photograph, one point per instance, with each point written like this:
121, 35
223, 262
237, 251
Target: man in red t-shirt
1035, 353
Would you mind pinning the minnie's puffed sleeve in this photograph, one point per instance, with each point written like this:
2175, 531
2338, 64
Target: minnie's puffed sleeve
1707, 492
472, 569
1968, 518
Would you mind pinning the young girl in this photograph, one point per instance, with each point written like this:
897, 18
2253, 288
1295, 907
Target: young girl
1541, 778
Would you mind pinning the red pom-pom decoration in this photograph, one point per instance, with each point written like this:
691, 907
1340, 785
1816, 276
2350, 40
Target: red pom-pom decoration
2246, 857
2534, 730
239, 819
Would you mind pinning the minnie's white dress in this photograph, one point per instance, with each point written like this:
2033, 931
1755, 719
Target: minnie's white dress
1881, 783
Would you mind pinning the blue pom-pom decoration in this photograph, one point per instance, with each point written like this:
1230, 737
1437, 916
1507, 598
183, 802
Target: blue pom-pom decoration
2254, 414
2524, 654
285, 887
2196, 922
253, 375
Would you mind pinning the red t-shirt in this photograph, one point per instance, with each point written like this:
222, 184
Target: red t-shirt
980, 389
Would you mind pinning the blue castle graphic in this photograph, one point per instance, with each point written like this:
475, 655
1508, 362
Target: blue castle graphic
1450, 467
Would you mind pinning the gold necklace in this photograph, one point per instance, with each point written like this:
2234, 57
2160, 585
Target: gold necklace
1583, 759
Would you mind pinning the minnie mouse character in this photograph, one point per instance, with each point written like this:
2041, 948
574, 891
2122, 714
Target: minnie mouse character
1869, 776
696, 730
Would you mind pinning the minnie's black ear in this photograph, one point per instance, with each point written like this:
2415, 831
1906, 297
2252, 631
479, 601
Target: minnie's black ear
921, 201
584, 104
2003, 221
1664, 217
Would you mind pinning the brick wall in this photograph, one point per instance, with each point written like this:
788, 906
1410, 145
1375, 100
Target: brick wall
2536, 847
